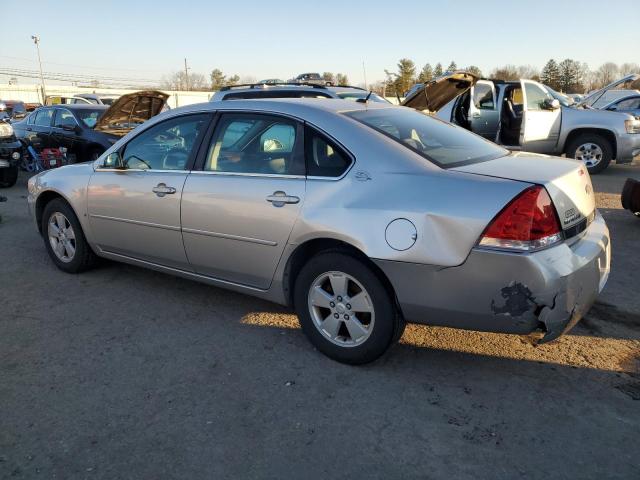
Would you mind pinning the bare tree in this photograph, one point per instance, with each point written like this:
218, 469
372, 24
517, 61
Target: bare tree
507, 72
606, 74
179, 81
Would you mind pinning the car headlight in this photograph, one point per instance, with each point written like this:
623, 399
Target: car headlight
6, 130
632, 126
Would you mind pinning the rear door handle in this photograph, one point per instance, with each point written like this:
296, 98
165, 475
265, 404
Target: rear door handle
280, 198
161, 190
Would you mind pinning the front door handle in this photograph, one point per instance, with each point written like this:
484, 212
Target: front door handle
476, 115
280, 198
161, 190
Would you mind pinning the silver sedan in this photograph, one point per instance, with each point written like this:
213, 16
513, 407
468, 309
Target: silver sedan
360, 216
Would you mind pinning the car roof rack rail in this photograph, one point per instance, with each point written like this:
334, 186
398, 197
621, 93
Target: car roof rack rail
266, 85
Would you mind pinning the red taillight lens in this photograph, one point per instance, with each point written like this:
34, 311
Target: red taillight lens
528, 222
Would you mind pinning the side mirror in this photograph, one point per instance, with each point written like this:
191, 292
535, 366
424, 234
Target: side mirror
113, 160
552, 104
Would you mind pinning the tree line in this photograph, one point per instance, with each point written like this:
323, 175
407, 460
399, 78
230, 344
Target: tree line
568, 76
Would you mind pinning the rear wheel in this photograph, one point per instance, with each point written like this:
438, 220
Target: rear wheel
8, 176
344, 308
593, 150
64, 238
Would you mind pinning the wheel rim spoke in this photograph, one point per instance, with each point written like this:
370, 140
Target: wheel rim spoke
356, 329
339, 284
69, 249
360, 303
331, 325
320, 297
70, 233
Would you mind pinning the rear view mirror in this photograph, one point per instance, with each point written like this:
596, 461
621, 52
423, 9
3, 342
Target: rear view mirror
113, 160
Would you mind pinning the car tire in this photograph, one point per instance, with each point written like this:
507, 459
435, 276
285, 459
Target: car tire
375, 319
58, 215
8, 176
590, 147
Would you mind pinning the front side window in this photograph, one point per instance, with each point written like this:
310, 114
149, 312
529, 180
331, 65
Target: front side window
256, 144
166, 146
43, 117
89, 116
324, 158
536, 96
64, 118
483, 97
439, 142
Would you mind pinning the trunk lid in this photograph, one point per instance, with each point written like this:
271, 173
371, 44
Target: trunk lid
436, 93
566, 180
131, 110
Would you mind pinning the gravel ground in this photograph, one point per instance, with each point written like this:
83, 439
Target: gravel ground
125, 373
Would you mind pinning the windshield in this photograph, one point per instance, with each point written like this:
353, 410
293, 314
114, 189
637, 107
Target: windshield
89, 116
361, 95
439, 142
561, 97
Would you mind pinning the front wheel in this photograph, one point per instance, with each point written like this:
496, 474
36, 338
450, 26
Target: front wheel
593, 150
8, 176
344, 308
64, 238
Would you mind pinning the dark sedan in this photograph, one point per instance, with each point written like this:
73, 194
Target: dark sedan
85, 131
67, 126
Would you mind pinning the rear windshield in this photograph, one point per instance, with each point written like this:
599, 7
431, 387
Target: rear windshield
439, 142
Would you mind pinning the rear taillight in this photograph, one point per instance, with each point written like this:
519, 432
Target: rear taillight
528, 222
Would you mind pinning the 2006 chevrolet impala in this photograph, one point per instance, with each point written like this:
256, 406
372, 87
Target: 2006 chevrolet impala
360, 216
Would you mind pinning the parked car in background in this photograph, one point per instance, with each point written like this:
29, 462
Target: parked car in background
12, 110
271, 81
59, 100
288, 90
95, 98
630, 196
360, 216
629, 104
31, 106
315, 78
85, 131
525, 115
10, 155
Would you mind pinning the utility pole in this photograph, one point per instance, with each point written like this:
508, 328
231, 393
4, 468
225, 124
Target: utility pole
36, 40
186, 74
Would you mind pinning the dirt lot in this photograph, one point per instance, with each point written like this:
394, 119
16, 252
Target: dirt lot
125, 373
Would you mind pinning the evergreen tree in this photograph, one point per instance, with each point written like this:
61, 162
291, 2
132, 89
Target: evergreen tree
438, 70
452, 67
217, 79
406, 75
426, 74
551, 75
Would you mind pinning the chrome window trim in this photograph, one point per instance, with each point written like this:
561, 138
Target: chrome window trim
242, 174
146, 170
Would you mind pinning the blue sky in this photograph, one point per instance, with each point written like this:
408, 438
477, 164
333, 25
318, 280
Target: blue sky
263, 39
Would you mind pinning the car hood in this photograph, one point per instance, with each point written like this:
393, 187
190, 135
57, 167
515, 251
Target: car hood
628, 82
131, 110
436, 93
566, 180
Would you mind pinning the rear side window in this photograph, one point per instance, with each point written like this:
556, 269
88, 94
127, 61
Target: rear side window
483, 97
324, 158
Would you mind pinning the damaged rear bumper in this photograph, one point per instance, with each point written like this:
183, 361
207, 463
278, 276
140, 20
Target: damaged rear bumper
548, 290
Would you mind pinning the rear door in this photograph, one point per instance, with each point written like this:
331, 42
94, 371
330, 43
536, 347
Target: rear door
239, 209
540, 125
134, 210
38, 133
483, 112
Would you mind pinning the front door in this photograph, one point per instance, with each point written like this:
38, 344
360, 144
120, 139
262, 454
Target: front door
483, 112
38, 133
540, 124
64, 133
134, 210
239, 209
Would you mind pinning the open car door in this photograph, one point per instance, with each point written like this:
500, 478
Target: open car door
541, 118
436, 93
484, 116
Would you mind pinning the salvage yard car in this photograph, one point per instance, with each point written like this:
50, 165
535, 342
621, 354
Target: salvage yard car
360, 216
10, 155
87, 130
525, 115
288, 90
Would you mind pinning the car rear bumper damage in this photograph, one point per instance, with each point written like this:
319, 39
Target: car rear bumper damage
549, 290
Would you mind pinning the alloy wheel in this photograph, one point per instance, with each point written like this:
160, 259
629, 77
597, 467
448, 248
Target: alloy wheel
589, 153
341, 309
62, 237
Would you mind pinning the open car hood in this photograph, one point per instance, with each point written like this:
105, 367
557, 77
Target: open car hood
131, 110
628, 82
436, 93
